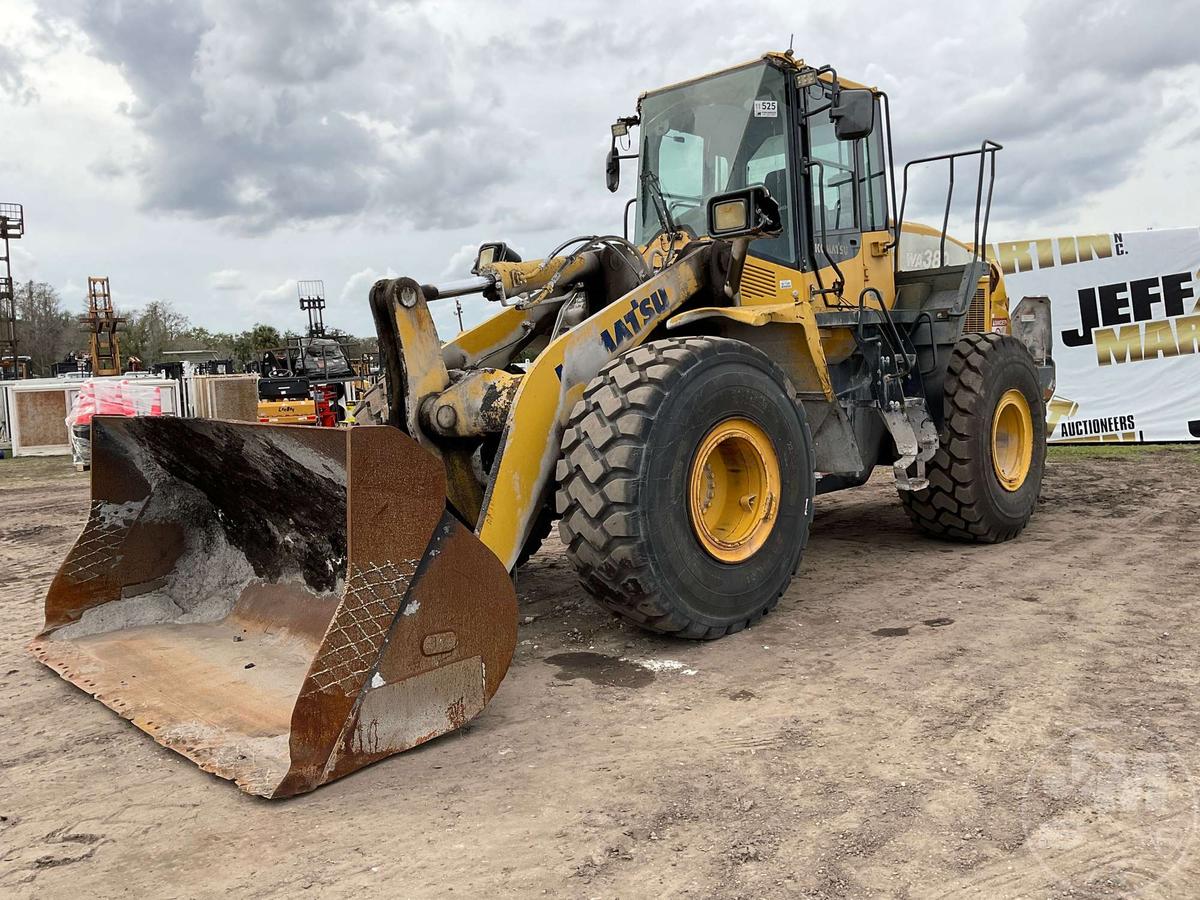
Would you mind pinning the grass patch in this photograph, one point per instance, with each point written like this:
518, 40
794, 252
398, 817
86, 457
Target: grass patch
1063, 452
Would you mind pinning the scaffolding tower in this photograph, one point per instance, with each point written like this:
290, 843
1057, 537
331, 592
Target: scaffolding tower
312, 301
102, 324
12, 227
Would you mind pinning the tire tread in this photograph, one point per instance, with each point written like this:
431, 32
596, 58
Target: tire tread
950, 507
602, 451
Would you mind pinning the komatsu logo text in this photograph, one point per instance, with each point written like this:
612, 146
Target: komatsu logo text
641, 312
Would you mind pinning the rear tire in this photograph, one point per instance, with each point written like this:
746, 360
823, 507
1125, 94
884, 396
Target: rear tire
967, 498
628, 471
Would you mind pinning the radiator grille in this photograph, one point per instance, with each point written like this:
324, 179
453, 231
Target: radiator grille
977, 314
758, 282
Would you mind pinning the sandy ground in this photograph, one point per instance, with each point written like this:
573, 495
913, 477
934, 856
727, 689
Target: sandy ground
916, 719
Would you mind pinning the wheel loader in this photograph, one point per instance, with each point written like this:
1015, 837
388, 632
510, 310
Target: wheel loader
284, 605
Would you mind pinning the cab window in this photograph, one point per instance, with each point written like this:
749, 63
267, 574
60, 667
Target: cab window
768, 166
710, 136
833, 179
873, 177
681, 165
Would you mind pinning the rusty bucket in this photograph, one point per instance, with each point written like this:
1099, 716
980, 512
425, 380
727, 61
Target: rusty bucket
280, 604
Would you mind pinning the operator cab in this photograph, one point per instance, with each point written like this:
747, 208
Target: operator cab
819, 146
816, 146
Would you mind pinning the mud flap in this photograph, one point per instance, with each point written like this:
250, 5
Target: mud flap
282, 605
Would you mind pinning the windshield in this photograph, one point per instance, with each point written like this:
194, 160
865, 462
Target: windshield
325, 354
716, 135
326, 348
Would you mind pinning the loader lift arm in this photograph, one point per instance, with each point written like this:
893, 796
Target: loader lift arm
518, 485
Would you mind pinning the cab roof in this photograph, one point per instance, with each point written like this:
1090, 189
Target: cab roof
784, 61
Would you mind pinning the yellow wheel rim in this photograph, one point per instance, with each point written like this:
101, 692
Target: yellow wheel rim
1012, 440
733, 490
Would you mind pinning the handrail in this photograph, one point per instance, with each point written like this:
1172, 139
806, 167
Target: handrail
987, 162
895, 340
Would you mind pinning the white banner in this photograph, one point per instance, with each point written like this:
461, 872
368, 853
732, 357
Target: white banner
1126, 318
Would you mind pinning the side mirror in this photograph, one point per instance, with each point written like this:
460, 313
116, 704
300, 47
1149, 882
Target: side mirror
853, 114
749, 212
612, 170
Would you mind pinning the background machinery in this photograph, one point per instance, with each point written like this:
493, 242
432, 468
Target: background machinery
301, 384
102, 325
689, 393
12, 227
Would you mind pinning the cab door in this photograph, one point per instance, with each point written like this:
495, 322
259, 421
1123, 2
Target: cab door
845, 187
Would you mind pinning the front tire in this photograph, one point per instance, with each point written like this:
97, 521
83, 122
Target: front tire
685, 486
985, 479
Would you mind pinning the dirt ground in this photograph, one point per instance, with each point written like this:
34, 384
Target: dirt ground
916, 719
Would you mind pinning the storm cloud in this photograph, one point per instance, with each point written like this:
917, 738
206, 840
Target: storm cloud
13, 83
282, 112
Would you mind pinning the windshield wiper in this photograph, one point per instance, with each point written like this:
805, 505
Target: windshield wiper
650, 180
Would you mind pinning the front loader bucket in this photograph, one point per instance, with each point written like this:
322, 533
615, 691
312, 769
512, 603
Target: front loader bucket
280, 604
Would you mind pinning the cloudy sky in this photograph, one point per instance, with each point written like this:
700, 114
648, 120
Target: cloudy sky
211, 152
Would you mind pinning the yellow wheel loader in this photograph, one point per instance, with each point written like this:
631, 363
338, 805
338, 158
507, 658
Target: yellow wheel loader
284, 605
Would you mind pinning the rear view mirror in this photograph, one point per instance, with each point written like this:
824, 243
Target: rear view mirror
853, 114
612, 170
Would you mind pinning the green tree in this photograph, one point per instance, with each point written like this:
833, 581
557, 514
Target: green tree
45, 331
152, 330
198, 338
249, 344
